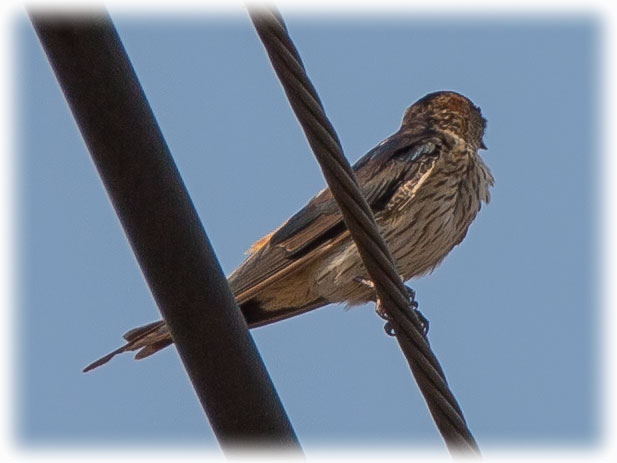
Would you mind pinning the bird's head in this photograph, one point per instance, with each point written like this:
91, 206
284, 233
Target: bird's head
451, 112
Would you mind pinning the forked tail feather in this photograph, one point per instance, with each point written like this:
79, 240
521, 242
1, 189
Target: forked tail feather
151, 338
147, 339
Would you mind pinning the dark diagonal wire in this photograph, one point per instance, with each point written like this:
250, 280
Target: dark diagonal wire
360, 221
164, 230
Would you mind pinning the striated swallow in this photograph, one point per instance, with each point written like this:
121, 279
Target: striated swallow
425, 185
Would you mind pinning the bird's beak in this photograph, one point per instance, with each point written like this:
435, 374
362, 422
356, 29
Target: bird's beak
483, 146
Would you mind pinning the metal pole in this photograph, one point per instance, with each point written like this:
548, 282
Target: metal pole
164, 230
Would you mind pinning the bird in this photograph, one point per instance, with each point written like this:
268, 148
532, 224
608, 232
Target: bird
425, 185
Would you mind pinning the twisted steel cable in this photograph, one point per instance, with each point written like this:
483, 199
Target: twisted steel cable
360, 221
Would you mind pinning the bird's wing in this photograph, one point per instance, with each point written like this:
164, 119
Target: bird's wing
319, 226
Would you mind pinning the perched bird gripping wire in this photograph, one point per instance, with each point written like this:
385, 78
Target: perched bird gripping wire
425, 185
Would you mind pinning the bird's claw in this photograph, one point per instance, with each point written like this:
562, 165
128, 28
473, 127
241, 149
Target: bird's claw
423, 321
411, 296
388, 328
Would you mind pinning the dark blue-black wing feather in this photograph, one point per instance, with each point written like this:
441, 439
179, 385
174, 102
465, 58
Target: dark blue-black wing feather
307, 234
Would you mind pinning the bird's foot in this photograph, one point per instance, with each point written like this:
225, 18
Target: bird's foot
411, 294
379, 309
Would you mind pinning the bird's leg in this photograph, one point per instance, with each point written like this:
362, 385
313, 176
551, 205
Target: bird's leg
378, 306
411, 295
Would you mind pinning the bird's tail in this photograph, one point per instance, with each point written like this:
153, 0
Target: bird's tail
147, 339
153, 337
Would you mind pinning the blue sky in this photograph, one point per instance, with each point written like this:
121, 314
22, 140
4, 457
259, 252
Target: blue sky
514, 310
